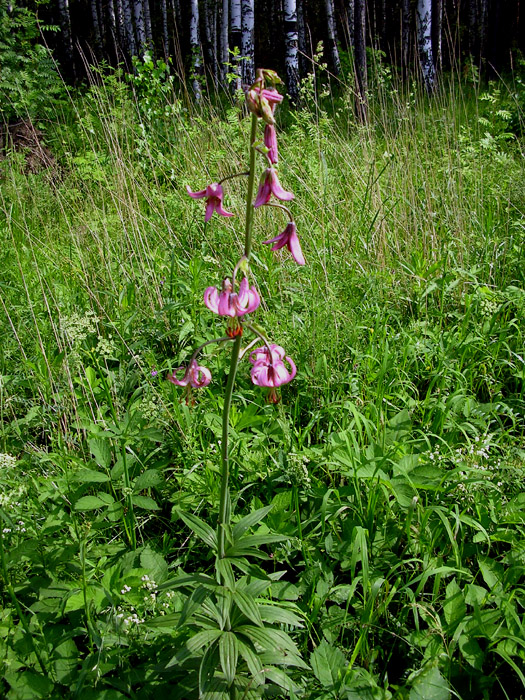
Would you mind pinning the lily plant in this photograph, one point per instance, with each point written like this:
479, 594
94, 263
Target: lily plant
237, 299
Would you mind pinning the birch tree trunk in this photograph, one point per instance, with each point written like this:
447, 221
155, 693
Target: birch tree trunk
350, 14
424, 41
223, 42
247, 41
210, 32
128, 27
236, 40
96, 24
301, 31
147, 24
360, 60
437, 33
138, 13
65, 26
165, 35
195, 49
405, 36
291, 45
332, 37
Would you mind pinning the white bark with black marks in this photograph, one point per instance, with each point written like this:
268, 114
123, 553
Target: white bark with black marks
332, 37
350, 21
247, 41
195, 49
140, 27
147, 24
236, 40
223, 41
291, 59
128, 27
424, 42
360, 60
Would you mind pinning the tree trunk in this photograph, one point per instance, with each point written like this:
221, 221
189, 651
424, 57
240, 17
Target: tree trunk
424, 41
360, 60
247, 41
332, 37
128, 27
350, 14
236, 40
140, 27
291, 43
303, 48
483, 26
405, 37
165, 35
223, 43
195, 49
437, 33
473, 35
210, 32
65, 26
147, 24
96, 25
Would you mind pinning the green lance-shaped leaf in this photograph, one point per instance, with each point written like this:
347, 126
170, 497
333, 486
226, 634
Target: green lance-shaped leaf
200, 528
202, 639
249, 521
209, 664
454, 606
248, 606
229, 654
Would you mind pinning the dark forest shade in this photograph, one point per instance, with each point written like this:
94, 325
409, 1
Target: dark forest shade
115, 30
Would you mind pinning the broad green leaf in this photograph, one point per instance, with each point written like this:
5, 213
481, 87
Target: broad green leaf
229, 653
249, 521
145, 502
89, 503
429, 684
491, 571
282, 590
147, 480
454, 606
90, 476
280, 678
154, 562
328, 664
282, 658
474, 594
267, 638
471, 651
65, 660
28, 685
200, 528
101, 451
192, 604
225, 571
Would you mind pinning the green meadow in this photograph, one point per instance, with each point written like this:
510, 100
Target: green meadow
389, 559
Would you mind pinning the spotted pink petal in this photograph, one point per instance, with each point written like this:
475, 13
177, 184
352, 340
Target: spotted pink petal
179, 382
211, 299
262, 354
199, 376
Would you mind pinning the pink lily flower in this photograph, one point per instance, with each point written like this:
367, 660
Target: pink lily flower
228, 302
269, 185
263, 102
194, 376
214, 195
269, 370
270, 141
289, 239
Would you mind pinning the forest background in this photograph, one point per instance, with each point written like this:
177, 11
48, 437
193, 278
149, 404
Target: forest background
377, 541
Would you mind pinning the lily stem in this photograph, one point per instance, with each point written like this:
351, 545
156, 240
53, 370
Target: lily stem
225, 503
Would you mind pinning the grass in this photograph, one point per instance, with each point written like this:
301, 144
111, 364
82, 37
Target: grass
395, 461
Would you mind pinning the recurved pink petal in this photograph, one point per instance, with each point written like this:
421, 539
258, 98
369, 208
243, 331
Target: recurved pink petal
263, 193
276, 189
211, 299
221, 210
226, 304
211, 206
196, 195
270, 141
295, 247
179, 382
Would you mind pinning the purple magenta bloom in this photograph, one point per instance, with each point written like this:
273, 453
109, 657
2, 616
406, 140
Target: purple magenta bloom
270, 141
289, 239
269, 370
269, 185
154, 372
263, 102
214, 195
194, 376
228, 302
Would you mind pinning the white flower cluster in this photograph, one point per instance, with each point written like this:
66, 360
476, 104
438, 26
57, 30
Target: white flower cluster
7, 461
76, 328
